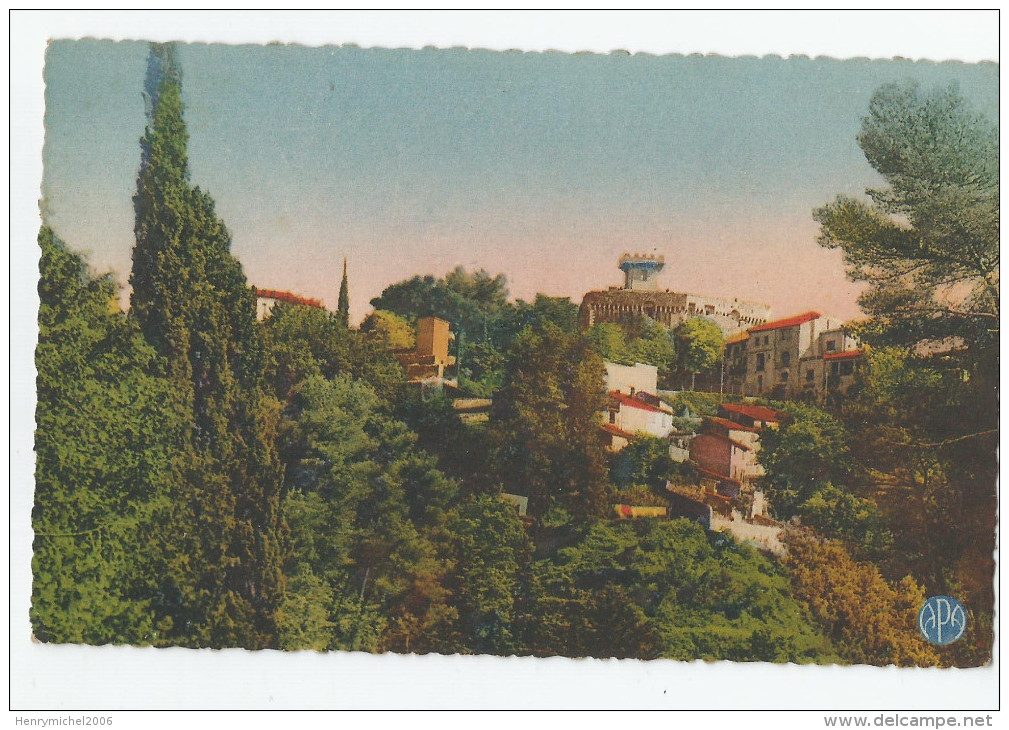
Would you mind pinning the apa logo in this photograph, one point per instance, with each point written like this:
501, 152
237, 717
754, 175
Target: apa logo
942, 619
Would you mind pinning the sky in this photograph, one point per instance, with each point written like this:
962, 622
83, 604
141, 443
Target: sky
543, 166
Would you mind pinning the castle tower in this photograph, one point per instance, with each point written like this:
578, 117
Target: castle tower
641, 271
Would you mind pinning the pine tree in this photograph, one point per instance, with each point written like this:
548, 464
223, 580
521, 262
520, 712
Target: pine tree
194, 306
343, 303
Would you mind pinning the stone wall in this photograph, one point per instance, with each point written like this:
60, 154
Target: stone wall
671, 308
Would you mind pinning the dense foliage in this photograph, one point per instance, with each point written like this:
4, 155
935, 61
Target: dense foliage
485, 322
545, 422
107, 478
668, 589
928, 244
365, 510
924, 421
869, 620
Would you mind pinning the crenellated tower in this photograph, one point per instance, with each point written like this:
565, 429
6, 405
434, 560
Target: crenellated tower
641, 271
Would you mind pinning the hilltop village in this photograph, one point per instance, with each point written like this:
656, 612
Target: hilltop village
806, 357
646, 474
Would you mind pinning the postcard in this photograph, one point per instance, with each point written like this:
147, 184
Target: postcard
445, 357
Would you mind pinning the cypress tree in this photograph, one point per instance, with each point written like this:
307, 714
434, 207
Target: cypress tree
194, 306
343, 303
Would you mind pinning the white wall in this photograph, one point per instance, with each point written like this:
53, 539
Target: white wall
640, 377
633, 420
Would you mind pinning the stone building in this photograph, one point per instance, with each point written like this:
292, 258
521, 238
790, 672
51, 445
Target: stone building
429, 359
805, 357
640, 295
725, 452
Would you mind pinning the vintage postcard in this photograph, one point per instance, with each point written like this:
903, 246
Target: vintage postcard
352, 350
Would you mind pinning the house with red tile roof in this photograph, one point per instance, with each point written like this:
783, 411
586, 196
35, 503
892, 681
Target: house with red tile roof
629, 415
750, 416
725, 452
267, 299
725, 449
807, 356
632, 406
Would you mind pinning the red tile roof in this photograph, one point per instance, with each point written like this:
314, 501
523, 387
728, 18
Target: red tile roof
787, 322
730, 424
846, 355
726, 439
628, 400
286, 296
757, 413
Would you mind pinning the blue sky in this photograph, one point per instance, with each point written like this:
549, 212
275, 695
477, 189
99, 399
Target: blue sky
541, 166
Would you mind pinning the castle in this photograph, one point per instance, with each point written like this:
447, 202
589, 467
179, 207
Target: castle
641, 295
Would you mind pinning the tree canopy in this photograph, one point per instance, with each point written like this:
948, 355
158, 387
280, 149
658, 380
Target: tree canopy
924, 415
108, 470
390, 329
869, 620
928, 243
666, 588
365, 508
343, 301
699, 345
545, 421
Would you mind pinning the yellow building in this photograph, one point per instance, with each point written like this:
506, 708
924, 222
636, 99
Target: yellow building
430, 356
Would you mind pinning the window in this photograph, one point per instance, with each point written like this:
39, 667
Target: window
784, 376
835, 368
847, 368
786, 358
760, 361
613, 416
809, 376
709, 308
831, 345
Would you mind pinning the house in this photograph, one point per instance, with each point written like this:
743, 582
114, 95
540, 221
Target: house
691, 506
807, 356
718, 513
266, 300
748, 414
725, 452
632, 407
628, 415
